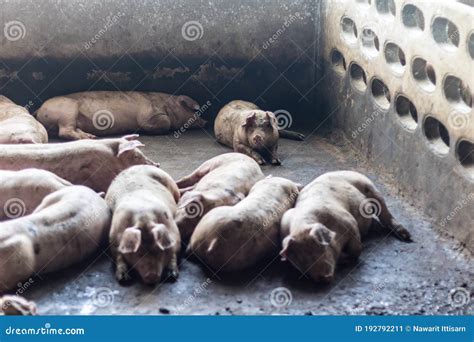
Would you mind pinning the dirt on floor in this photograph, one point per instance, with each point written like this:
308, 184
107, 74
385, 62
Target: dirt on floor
391, 277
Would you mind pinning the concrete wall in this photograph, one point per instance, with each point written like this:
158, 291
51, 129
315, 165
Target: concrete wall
401, 85
262, 51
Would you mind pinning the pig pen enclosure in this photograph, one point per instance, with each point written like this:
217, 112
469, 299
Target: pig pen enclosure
383, 87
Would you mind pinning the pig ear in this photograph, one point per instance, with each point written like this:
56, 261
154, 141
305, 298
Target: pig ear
129, 145
323, 235
269, 116
212, 245
269, 176
299, 186
131, 240
286, 244
131, 136
162, 237
198, 198
250, 120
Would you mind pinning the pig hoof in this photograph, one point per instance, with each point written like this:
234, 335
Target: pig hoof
276, 161
173, 275
123, 277
402, 233
260, 161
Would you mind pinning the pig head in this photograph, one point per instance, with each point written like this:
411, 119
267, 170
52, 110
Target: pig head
311, 250
128, 152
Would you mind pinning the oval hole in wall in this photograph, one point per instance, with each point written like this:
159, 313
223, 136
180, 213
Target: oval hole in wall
465, 155
395, 57
370, 42
445, 33
458, 93
385, 6
338, 61
349, 30
424, 74
381, 93
470, 45
358, 77
437, 135
412, 17
407, 112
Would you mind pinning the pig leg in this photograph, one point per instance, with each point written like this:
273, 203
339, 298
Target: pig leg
17, 260
291, 135
385, 217
193, 178
274, 154
239, 147
122, 272
155, 124
67, 121
184, 190
173, 271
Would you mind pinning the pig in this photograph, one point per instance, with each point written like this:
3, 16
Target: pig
222, 180
89, 114
248, 129
18, 126
330, 216
144, 235
67, 227
89, 162
232, 238
22, 191
16, 306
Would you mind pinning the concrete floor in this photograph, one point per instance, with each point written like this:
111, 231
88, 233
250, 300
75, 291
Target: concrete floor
391, 277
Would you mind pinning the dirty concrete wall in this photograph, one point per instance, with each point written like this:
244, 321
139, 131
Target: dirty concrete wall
398, 75
262, 51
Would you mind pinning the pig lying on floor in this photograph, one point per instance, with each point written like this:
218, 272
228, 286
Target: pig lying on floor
250, 130
68, 226
18, 126
222, 180
234, 238
101, 113
16, 306
93, 163
331, 215
144, 235
22, 191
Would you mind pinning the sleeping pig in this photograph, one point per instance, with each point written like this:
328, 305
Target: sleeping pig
250, 130
234, 238
67, 227
22, 191
144, 235
18, 126
331, 215
16, 306
100, 113
222, 180
91, 163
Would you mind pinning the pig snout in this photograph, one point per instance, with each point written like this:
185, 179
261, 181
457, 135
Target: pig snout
151, 278
258, 139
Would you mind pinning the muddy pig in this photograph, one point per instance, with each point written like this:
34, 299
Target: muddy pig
93, 163
144, 235
18, 126
331, 215
22, 191
100, 113
16, 306
234, 238
222, 180
249, 130
67, 227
